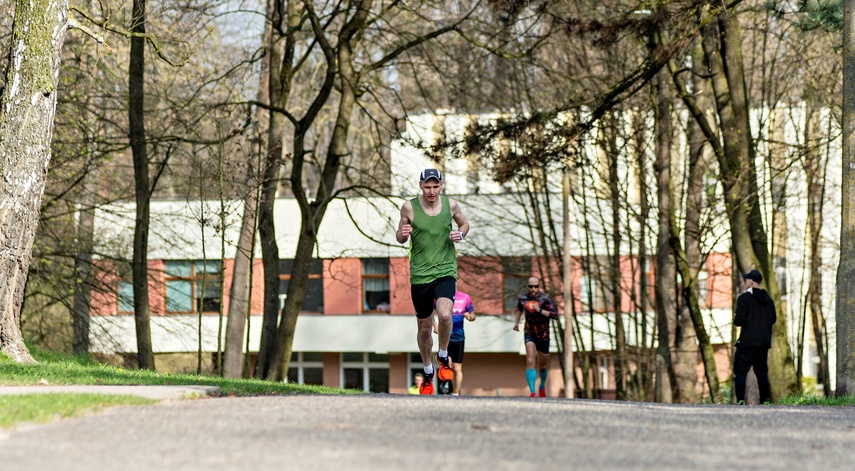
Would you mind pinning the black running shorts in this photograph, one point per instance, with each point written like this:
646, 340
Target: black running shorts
455, 351
425, 295
542, 345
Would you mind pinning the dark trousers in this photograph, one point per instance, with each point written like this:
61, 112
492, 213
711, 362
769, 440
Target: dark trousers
745, 358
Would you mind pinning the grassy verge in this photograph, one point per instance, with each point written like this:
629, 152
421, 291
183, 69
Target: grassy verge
802, 400
58, 369
41, 408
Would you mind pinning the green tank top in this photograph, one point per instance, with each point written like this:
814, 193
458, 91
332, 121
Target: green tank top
432, 252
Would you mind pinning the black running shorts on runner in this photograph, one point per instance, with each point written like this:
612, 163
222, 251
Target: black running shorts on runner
542, 345
455, 352
424, 295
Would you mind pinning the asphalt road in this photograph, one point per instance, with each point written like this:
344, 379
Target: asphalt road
386, 432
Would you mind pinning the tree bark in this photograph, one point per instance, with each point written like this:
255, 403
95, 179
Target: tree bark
142, 190
83, 264
739, 177
338, 66
240, 292
27, 110
639, 132
687, 338
846, 267
815, 172
281, 51
666, 278
615, 276
698, 109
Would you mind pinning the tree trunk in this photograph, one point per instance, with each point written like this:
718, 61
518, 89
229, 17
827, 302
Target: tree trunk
687, 338
666, 295
815, 172
570, 383
240, 292
846, 268
615, 276
83, 264
739, 177
647, 355
136, 134
313, 212
281, 52
27, 110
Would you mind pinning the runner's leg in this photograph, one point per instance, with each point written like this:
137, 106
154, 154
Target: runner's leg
530, 365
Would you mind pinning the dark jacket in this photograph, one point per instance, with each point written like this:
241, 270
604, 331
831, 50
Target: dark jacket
755, 312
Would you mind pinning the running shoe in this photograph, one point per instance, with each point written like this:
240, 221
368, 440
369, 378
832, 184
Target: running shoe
445, 372
427, 385
541, 393
533, 395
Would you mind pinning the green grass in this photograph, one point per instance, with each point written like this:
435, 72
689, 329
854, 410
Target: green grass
41, 408
59, 369
808, 400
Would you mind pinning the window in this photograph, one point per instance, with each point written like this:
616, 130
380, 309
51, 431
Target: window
515, 274
192, 286
604, 372
126, 296
596, 291
314, 298
306, 368
366, 371
703, 288
375, 285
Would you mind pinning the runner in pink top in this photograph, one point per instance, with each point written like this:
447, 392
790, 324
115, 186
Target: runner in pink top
462, 309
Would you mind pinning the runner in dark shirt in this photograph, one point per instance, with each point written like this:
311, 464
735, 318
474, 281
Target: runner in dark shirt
539, 309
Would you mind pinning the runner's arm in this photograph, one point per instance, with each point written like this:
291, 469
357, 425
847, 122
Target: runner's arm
404, 225
459, 218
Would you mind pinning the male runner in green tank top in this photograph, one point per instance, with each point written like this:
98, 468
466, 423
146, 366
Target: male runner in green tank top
426, 223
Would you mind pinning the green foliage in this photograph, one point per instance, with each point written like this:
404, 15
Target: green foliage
59, 369
826, 15
42, 408
811, 400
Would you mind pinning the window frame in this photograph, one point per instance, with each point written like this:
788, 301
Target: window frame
119, 297
515, 268
319, 262
300, 363
197, 303
602, 298
373, 276
366, 366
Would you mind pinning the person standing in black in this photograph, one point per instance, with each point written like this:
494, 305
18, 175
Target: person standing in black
755, 313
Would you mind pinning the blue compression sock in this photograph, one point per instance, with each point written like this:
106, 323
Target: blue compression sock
543, 378
530, 376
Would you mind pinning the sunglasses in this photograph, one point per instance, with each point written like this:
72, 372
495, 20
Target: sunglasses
534, 286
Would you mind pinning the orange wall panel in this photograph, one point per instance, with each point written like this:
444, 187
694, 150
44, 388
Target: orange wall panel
343, 286
720, 280
481, 279
105, 301
156, 287
257, 295
228, 275
400, 298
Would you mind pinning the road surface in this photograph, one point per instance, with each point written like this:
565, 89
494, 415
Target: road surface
390, 432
